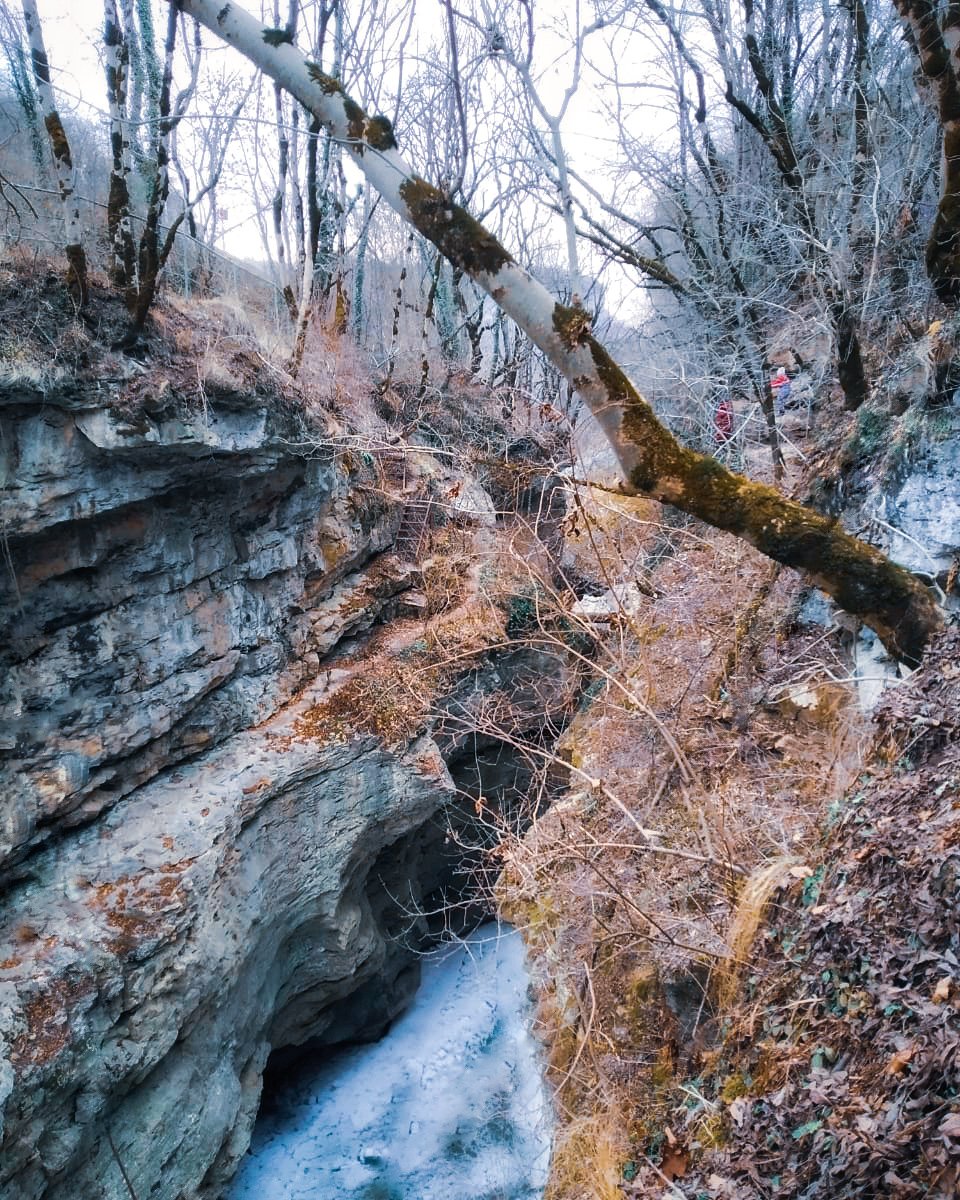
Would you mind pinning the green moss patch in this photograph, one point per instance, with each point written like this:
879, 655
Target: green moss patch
458, 235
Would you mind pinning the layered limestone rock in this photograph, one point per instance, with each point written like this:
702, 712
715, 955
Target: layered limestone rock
193, 874
912, 512
158, 955
920, 509
167, 582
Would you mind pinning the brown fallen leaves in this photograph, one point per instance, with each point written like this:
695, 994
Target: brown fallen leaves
853, 991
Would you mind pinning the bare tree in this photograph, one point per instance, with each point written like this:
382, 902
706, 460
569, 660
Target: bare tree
137, 265
117, 65
934, 35
153, 250
284, 124
514, 48
62, 159
21, 77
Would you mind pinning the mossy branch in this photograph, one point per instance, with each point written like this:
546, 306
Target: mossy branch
653, 463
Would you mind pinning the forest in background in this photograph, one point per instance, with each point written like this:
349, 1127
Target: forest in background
649, 459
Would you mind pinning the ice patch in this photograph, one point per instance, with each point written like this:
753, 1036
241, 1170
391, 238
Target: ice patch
450, 1105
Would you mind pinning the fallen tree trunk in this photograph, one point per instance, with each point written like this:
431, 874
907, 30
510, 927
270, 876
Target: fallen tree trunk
653, 463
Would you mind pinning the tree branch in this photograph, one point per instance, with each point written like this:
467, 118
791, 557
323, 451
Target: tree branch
653, 463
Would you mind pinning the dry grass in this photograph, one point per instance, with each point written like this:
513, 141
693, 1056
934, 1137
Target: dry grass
616, 533
747, 916
446, 573
336, 374
698, 784
587, 1159
42, 340
388, 698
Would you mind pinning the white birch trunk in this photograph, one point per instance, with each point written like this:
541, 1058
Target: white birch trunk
117, 64
577, 289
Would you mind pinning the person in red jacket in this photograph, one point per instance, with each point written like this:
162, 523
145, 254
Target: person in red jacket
723, 421
780, 386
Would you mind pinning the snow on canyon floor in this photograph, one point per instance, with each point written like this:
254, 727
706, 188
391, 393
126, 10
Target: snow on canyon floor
449, 1105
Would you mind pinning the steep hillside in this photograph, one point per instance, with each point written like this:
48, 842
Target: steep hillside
838, 1073
741, 914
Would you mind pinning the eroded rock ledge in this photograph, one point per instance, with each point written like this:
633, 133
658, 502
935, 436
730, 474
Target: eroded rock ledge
193, 874
159, 596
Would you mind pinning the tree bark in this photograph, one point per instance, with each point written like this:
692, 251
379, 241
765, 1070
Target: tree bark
119, 223
652, 462
937, 46
62, 160
149, 261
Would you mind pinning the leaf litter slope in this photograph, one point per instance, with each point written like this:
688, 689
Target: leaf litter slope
847, 1037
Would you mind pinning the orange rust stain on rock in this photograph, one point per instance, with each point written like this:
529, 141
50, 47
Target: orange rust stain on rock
178, 867
258, 786
47, 1017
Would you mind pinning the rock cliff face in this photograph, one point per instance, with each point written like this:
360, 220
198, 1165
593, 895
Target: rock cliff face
910, 509
165, 586
920, 509
190, 880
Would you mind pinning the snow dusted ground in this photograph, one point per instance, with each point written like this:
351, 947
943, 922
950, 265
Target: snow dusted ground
450, 1105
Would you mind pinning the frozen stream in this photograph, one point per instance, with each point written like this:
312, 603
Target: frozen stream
450, 1105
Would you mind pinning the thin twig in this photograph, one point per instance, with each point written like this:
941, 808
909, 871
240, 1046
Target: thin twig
126, 1177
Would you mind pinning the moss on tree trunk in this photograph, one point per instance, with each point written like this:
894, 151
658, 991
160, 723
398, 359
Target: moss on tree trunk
861, 580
